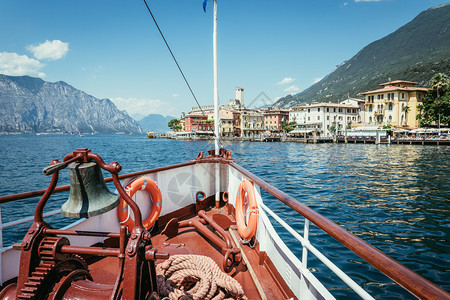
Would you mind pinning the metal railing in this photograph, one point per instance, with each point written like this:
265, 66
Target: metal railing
307, 246
408, 279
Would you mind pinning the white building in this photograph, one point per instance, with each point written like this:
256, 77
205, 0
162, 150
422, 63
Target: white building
326, 119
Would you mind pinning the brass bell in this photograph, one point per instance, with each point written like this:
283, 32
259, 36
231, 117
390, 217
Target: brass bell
89, 195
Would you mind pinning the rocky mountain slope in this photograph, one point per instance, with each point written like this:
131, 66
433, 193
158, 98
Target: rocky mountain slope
414, 52
32, 105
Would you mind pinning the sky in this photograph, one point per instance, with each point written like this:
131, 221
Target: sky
112, 49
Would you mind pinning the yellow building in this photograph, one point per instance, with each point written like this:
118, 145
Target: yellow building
252, 123
388, 105
226, 122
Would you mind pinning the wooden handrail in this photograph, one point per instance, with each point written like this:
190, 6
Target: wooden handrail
411, 281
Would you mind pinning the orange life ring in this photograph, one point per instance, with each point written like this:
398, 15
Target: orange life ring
246, 227
142, 183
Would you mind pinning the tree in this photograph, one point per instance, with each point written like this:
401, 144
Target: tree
419, 116
436, 104
406, 109
288, 127
174, 124
440, 84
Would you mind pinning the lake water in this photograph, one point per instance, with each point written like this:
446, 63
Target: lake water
395, 197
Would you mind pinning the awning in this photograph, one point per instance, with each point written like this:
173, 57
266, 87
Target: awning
302, 131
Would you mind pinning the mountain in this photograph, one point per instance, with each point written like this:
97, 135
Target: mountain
156, 123
415, 52
32, 105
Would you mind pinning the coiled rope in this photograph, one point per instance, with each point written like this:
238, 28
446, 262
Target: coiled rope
196, 277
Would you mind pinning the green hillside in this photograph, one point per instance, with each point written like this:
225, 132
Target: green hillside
414, 52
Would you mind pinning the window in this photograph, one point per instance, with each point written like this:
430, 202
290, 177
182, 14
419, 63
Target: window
403, 95
318, 118
328, 118
390, 106
334, 109
340, 110
308, 118
370, 108
328, 109
309, 110
318, 109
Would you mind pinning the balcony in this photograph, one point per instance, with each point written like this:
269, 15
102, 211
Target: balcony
379, 113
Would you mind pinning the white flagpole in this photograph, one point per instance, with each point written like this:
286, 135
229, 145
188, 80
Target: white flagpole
216, 105
216, 83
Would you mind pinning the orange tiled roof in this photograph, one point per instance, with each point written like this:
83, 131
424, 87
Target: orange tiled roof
396, 88
399, 81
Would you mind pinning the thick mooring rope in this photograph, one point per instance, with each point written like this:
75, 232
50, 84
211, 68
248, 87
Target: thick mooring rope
196, 277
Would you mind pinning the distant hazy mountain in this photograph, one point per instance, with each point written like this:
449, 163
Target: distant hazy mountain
415, 52
138, 116
32, 105
156, 123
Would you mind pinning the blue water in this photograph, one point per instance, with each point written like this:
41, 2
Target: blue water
395, 197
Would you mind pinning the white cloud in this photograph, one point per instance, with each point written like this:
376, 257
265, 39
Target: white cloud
345, 3
316, 80
18, 65
292, 89
286, 80
367, 1
175, 95
143, 106
51, 50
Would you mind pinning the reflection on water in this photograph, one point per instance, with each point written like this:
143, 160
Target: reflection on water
396, 197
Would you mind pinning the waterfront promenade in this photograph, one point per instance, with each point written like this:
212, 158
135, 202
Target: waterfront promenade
353, 140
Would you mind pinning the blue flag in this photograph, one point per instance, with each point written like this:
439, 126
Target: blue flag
204, 5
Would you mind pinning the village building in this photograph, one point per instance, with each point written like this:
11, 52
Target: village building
274, 118
236, 123
395, 104
252, 123
325, 119
198, 123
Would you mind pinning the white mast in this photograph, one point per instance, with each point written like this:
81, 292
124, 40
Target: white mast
216, 105
216, 84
